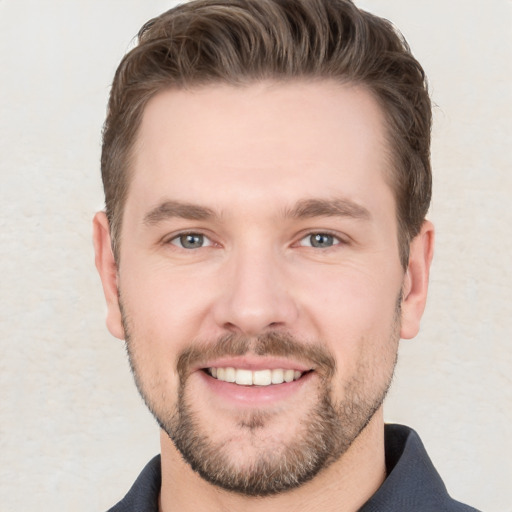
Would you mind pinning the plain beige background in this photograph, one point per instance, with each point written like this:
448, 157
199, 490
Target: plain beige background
73, 431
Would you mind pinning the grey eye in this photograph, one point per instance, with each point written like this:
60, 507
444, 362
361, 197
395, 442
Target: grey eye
319, 240
190, 241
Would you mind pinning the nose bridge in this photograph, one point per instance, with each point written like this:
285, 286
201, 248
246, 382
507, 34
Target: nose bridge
255, 295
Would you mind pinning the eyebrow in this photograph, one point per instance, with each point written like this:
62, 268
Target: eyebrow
303, 209
171, 209
338, 207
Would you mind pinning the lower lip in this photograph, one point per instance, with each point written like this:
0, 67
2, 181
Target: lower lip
252, 396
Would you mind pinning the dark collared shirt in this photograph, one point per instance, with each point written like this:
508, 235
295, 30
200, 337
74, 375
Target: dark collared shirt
412, 484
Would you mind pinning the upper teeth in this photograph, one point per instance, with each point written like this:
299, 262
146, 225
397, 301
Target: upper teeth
257, 378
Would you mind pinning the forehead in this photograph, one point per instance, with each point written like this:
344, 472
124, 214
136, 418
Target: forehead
296, 137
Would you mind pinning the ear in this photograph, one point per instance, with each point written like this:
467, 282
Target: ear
415, 286
107, 268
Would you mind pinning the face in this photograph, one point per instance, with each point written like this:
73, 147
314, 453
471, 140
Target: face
259, 280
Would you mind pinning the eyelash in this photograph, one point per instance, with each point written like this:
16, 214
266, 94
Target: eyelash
182, 236
180, 239
336, 239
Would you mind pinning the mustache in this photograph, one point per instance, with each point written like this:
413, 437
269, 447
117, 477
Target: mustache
269, 344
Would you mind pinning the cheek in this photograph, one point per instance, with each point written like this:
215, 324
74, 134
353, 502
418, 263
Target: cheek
166, 312
161, 318
351, 300
163, 298
355, 315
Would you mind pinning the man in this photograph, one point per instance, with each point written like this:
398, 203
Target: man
264, 248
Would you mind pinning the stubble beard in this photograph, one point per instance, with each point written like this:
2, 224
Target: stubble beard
328, 430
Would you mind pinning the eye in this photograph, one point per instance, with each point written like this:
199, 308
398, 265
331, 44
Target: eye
319, 240
191, 241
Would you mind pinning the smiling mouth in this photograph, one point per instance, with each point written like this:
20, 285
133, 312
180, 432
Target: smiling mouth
245, 377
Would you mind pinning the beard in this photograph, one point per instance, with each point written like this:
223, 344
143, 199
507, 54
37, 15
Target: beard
327, 429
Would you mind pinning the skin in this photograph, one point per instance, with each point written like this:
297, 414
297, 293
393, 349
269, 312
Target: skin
250, 156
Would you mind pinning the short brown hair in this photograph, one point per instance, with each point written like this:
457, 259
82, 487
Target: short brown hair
242, 41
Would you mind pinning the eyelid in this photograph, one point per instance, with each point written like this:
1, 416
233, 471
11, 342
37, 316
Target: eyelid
176, 236
339, 239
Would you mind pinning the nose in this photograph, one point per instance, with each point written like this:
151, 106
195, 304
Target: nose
256, 294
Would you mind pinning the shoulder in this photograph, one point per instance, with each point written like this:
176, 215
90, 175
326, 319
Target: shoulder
412, 481
143, 495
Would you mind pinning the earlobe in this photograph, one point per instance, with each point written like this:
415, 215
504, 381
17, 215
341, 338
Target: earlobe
415, 285
107, 269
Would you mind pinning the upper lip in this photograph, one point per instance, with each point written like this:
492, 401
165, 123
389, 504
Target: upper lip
255, 363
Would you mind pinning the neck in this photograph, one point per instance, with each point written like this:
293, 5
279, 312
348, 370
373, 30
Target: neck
342, 487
